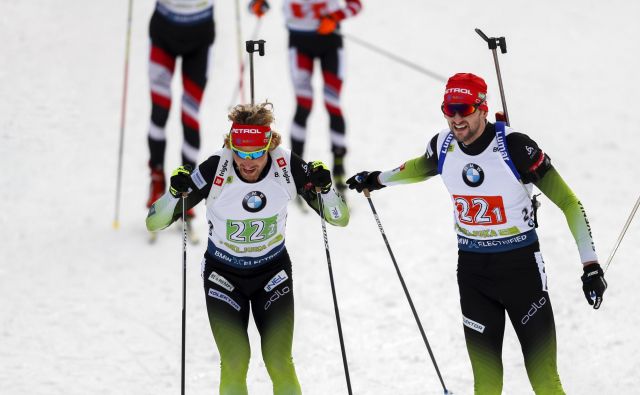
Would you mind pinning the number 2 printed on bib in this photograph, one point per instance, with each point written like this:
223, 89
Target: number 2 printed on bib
480, 210
251, 230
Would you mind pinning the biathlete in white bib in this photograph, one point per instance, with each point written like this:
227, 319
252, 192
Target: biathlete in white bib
247, 186
489, 170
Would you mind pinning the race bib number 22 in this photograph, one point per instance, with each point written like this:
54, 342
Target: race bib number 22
251, 230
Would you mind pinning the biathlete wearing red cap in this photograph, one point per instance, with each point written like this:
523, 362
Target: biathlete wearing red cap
312, 26
247, 186
489, 170
178, 28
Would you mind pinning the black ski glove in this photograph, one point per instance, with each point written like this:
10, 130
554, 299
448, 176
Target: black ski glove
593, 284
365, 180
320, 176
181, 181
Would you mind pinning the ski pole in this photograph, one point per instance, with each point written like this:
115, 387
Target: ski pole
251, 47
184, 291
240, 87
333, 289
404, 287
394, 57
494, 43
622, 233
123, 114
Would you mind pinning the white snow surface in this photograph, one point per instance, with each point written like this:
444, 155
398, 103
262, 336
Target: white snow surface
86, 309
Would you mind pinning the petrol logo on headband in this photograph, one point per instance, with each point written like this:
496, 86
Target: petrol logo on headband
458, 90
250, 131
254, 201
472, 175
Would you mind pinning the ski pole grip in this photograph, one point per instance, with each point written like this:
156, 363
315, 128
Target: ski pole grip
255, 46
366, 193
484, 36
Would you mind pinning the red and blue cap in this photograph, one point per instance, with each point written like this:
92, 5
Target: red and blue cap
466, 88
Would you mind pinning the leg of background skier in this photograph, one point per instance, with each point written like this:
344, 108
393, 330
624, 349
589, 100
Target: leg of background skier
161, 67
301, 67
194, 80
333, 74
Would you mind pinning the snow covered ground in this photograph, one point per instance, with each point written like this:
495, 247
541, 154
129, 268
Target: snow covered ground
85, 309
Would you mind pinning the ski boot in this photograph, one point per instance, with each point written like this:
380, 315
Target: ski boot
156, 190
157, 186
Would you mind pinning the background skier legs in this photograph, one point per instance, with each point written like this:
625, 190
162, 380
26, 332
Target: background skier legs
303, 50
169, 40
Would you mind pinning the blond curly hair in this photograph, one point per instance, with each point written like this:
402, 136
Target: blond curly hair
257, 114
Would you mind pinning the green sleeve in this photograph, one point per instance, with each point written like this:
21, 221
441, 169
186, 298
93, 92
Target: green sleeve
161, 213
414, 170
336, 211
554, 187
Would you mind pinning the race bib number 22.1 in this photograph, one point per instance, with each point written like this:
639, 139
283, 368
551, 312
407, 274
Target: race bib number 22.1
480, 210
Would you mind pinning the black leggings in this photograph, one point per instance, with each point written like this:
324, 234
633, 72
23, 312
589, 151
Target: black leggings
515, 282
268, 292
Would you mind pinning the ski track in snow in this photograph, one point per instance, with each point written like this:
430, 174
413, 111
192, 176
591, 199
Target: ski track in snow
85, 309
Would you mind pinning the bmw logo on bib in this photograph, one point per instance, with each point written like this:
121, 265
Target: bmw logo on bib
254, 201
472, 175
